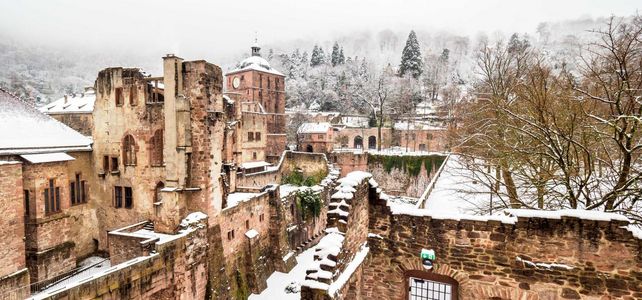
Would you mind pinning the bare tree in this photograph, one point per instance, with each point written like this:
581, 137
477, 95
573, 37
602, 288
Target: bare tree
558, 139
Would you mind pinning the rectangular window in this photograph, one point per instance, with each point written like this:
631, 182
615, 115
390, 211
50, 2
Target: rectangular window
250, 136
72, 193
261, 217
114, 164
46, 199
247, 224
52, 198
83, 190
105, 163
57, 203
257, 136
321, 136
26, 196
119, 96
133, 93
118, 196
129, 201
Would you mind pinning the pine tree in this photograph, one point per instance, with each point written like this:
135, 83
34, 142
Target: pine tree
342, 58
411, 62
318, 57
335, 54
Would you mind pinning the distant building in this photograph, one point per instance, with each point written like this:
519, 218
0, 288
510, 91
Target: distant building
316, 137
44, 192
75, 110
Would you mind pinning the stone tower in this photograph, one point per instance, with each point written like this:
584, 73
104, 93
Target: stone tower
254, 80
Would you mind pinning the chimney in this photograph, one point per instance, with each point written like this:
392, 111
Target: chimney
65, 98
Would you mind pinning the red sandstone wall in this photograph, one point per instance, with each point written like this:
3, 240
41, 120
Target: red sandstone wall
12, 230
482, 256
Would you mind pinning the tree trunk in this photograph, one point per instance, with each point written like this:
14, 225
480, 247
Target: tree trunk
511, 189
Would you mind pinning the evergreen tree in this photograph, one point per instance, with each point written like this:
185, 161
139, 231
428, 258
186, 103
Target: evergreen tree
335, 54
342, 58
318, 57
411, 62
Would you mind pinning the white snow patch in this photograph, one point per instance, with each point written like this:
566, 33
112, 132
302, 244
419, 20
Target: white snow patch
547, 266
234, 199
252, 233
193, 218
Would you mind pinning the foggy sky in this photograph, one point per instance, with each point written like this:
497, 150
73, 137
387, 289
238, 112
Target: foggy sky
215, 29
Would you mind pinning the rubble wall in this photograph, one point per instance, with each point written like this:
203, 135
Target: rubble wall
534, 258
178, 270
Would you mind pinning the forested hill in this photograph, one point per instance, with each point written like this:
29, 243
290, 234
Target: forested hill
336, 81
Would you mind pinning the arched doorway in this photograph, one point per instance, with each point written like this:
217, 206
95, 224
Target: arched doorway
309, 148
358, 142
372, 142
428, 285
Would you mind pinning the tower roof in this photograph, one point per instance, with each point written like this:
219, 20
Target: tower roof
256, 63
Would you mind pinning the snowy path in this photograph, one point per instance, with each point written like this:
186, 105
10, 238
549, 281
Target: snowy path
277, 282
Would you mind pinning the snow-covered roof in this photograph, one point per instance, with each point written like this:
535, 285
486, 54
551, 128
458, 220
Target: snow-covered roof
252, 233
254, 164
255, 63
24, 129
47, 157
234, 199
74, 103
314, 106
321, 127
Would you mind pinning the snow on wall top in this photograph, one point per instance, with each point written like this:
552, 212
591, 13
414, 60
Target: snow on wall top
321, 127
402, 125
24, 129
74, 103
255, 63
592, 215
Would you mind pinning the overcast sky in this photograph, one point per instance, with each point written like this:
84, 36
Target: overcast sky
221, 28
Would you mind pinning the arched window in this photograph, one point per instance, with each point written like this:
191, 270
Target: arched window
358, 142
156, 148
309, 148
428, 285
129, 151
372, 142
158, 193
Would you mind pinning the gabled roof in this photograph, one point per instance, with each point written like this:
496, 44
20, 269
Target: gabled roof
75, 103
321, 127
24, 130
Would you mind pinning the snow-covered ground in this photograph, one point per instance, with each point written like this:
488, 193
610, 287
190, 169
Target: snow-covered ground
90, 267
278, 282
458, 190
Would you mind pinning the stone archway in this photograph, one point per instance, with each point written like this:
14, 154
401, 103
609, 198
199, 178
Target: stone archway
309, 148
372, 142
358, 142
440, 273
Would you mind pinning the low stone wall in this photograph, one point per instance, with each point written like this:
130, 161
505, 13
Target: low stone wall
15, 286
178, 270
534, 258
308, 163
